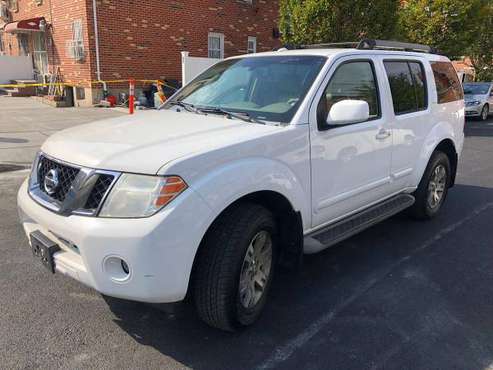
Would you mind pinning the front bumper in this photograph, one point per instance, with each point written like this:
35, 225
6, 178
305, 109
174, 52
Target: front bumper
473, 110
159, 250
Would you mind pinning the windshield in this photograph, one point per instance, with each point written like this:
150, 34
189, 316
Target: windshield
266, 88
476, 89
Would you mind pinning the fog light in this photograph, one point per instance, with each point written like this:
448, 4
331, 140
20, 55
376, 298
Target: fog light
117, 269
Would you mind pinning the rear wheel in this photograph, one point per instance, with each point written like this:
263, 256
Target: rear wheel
484, 113
433, 187
235, 267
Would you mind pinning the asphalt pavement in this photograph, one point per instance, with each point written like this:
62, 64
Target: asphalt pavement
401, 295
25, 123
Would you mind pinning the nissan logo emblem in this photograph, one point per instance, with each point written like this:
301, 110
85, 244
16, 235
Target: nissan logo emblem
51, 181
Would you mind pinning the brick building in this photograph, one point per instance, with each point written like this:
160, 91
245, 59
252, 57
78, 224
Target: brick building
137, 39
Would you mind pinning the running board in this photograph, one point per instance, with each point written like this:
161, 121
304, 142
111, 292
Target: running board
352, 225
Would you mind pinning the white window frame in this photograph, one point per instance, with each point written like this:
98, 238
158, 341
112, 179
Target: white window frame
252, 39
214, 35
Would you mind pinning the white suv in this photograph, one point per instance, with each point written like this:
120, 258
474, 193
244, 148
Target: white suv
258, 160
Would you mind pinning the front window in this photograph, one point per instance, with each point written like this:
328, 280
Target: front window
351, 81
267, 88
476, 89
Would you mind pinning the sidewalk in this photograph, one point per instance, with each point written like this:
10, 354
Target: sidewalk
26, 123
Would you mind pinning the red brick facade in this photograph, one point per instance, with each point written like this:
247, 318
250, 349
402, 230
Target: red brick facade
143, 39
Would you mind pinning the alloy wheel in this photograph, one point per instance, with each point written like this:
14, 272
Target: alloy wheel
255, 270
436, 186
484, 113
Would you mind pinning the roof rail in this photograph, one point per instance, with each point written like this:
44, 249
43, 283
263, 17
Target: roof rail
369, 44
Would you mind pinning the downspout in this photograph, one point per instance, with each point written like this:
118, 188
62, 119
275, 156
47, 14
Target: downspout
96, 39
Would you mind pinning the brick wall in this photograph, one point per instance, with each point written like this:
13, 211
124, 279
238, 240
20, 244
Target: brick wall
143, 39
60, 15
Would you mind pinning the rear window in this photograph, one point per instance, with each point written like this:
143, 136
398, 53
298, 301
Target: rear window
408, 86
447, 82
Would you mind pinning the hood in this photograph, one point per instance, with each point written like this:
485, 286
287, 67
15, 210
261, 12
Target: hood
471, 97
143, 143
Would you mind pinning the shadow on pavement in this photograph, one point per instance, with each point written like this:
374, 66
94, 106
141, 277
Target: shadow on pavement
403, 294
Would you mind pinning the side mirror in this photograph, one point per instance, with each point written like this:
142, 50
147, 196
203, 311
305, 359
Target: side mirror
348, 111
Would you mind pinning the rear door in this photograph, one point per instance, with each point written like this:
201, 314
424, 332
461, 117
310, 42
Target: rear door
407, 85
351, 163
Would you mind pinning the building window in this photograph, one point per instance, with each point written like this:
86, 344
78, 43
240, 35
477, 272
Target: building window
2, 47
216, 45
13, 6
252, 45
75, 47
23, 43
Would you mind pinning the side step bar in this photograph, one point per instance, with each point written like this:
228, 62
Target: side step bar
352, 225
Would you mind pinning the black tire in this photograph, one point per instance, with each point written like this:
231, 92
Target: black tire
221, 257
484, 113
422, 209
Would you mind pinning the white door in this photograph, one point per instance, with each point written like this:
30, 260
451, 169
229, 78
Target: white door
407, 83
350, 164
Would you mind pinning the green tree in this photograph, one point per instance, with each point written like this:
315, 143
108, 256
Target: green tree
456, 27
481, 49
316, 21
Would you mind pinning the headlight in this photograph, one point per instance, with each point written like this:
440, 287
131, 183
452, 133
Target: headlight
473, 102
141, 195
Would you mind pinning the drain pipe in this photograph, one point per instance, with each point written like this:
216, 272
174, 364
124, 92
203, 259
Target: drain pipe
96, 39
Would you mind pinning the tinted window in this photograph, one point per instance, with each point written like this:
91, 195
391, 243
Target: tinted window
446, 82
401, 86
419, 79
351, 81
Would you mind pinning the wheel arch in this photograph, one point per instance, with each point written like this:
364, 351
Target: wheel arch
289, 221
447, 146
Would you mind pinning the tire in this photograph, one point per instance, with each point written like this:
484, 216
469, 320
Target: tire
223, 265
424, 207
484, 113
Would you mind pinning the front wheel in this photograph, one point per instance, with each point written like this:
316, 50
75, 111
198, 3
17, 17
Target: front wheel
235, 267
484, 112
433, 187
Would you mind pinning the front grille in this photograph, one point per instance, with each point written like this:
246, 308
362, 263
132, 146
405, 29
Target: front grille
98, 191
66, 176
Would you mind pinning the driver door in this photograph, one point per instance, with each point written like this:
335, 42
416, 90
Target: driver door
350, 163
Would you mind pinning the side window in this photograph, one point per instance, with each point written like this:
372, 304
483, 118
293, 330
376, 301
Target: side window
419, 78
401, 86
353, 81
447, 82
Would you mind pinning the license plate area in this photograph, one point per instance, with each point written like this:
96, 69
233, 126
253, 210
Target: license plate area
44, 249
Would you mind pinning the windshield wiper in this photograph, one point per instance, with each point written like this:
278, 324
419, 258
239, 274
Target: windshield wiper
244, 116
187, 106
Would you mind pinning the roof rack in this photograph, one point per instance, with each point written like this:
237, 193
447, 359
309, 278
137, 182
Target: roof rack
370, 44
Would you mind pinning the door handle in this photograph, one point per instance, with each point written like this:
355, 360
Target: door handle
383, 134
